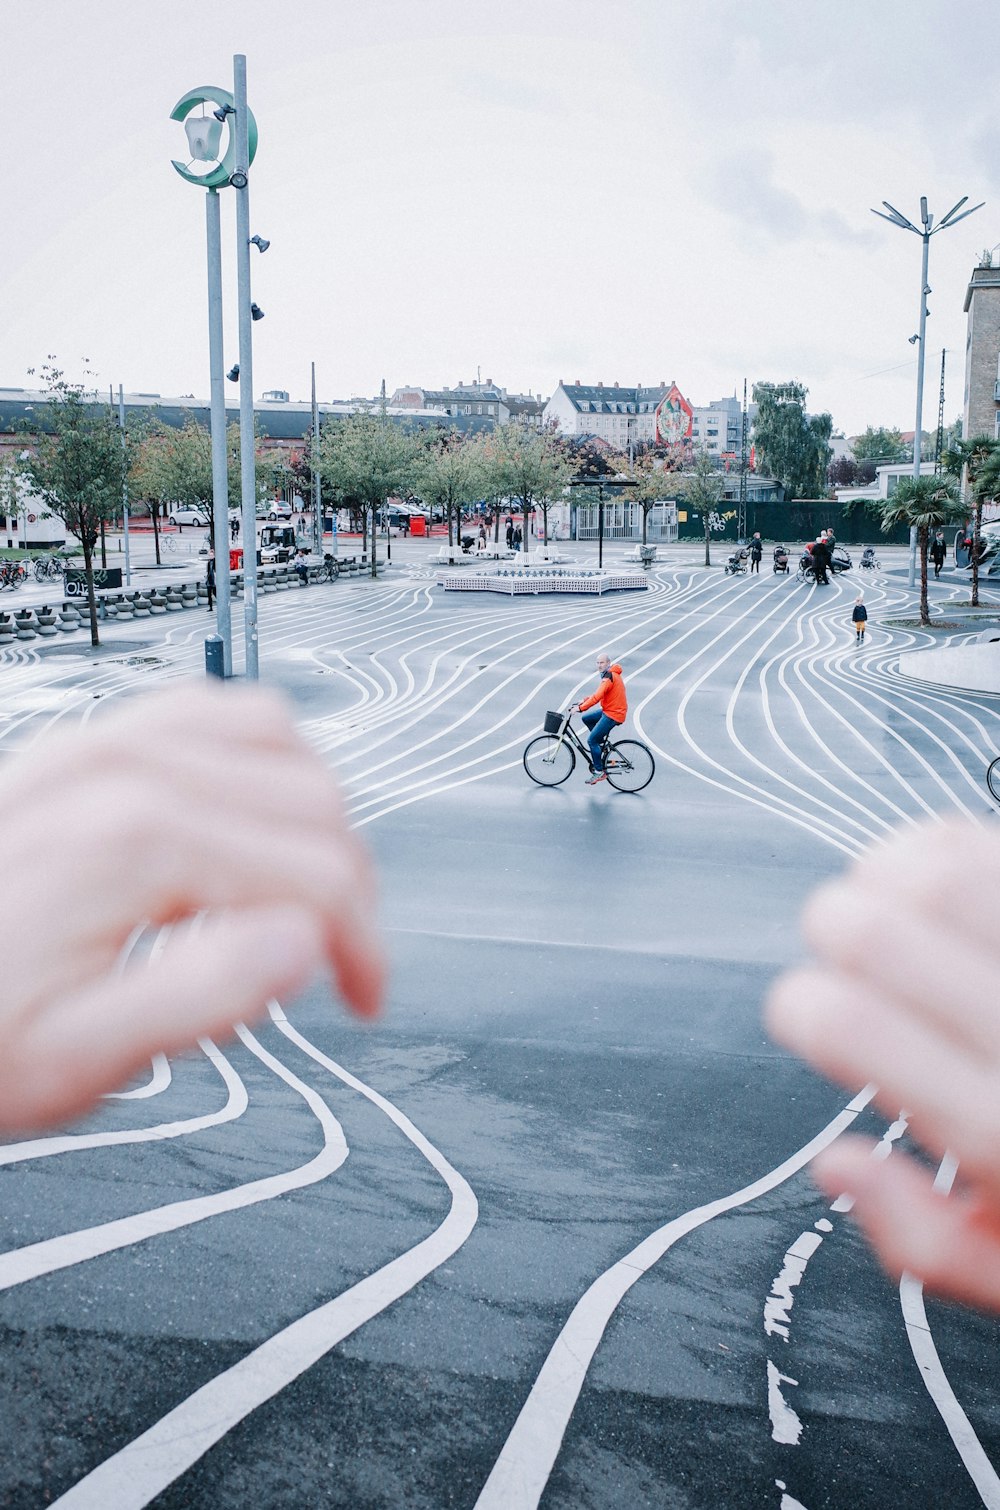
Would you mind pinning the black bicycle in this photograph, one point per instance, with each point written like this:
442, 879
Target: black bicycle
550, 758
993, 778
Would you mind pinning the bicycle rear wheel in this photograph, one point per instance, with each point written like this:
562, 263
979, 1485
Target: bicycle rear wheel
629, 765
993, 778
549, 760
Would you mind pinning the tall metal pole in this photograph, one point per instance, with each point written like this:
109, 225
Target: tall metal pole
220, 471
926, 240
897, 218
317, 502
248, 480
600, 525
125, 542
939, 438
742, 520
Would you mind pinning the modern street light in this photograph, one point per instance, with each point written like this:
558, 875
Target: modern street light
204, 137
613, 485
895, 217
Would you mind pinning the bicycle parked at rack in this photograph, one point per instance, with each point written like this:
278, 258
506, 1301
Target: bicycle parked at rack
550, 758
45, 567
993, 778
12, 574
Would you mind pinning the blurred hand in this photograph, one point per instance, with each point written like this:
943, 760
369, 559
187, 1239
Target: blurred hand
198, 800
906, 993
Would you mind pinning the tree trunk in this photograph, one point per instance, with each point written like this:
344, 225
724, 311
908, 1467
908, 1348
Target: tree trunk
645, 517
154, 509
88, 566
977, 524
925, 613
708, 541
496, 526
525, 543
545, 525
374, 540
104, 549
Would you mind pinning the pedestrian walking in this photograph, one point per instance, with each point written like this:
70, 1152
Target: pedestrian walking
756, 551
859, 618
939, 550
234, 529
510, 532
518, 537
210, 579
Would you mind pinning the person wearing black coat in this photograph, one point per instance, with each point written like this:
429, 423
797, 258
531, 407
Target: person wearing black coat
821, 560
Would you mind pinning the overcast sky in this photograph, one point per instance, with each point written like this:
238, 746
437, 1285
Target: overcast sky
627, 190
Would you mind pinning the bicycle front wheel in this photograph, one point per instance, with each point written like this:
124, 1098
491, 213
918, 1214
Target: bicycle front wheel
993, 778
549, 760
628, 765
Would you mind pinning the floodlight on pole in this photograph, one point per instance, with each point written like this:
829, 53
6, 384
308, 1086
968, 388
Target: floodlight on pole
895, 217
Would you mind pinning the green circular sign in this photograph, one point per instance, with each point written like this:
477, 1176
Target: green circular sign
226, 164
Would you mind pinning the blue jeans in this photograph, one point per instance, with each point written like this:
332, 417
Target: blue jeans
600, 726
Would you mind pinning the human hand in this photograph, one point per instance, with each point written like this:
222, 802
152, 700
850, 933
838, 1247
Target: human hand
906, 993
189, 802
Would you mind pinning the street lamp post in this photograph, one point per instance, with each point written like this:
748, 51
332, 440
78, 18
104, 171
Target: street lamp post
204, 138
895, 217
614, 485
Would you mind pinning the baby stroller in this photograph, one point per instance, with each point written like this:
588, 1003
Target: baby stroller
869, 560
737, 562
780, 558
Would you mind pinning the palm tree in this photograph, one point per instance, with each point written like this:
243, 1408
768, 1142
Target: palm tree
979, 460
923, 504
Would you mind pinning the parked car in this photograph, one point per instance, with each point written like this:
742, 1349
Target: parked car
183, 516
278, 509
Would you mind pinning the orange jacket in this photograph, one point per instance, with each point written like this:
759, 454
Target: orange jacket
611, 696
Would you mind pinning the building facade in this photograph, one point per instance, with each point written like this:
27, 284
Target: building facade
981, 410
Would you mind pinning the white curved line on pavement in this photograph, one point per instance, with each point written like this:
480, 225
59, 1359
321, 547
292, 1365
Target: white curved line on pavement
19, 1265
236, 1105
158, 1083
144, 1468
526, 1460
957, 1423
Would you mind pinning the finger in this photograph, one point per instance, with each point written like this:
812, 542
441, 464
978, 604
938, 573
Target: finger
891, 946
951, 1243
853, 1035
200, 984
950, 872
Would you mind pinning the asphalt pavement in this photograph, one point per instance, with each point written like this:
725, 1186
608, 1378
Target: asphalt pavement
545, 1235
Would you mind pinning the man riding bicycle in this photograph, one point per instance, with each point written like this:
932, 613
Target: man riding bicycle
600, 720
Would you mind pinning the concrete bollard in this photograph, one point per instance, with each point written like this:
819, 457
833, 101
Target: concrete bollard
25, 625
46, 620
157, 603
140, 605
6, 629
172, 598
69, 618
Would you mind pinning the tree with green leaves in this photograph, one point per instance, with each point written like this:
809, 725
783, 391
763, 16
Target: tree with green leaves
924, 504
530, 466
879, 443
975, 466
447, 473
78, 468
172, 468
702, 489
366, 459
790, 445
